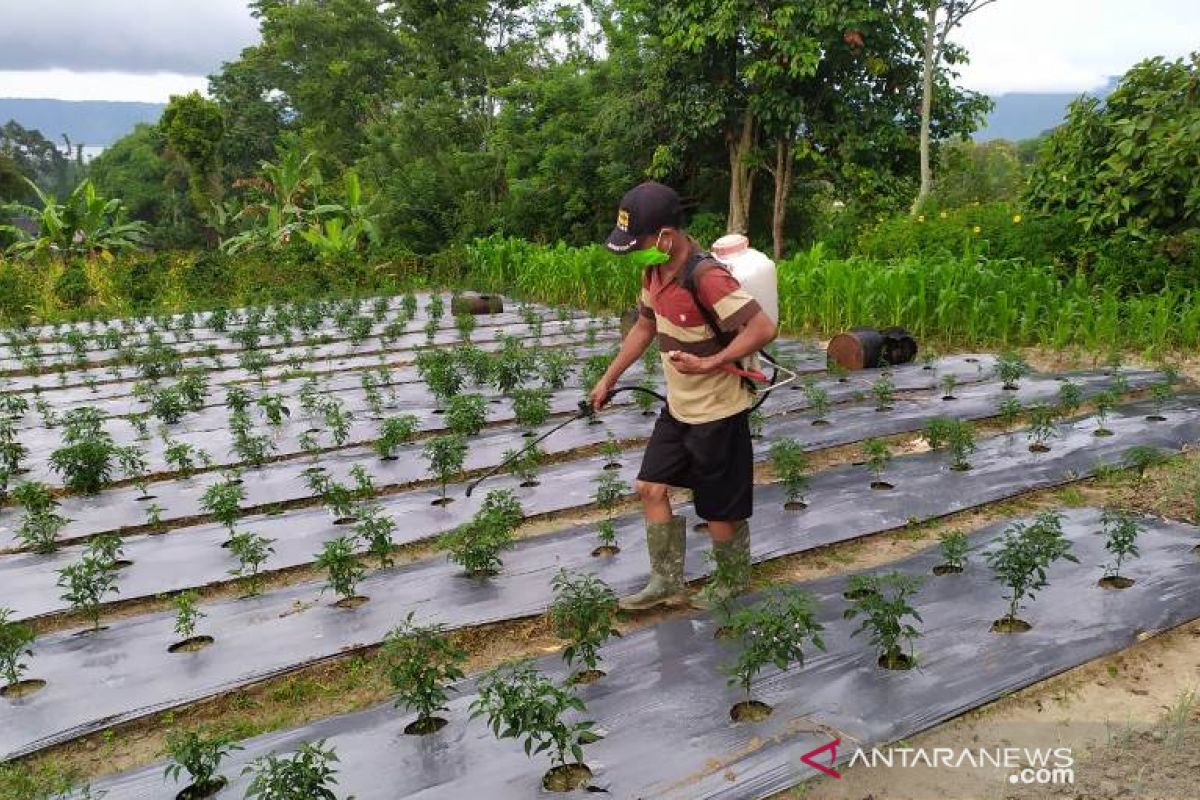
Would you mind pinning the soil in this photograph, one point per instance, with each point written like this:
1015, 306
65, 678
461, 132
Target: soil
566, 777
192, 645
795, 505
899, 661
1010, 625
351, 603
199, 791
605, 551
1115, 582
947, 569
750, 711
15, 691
587, 676
881, 485
1039, 448
424, 727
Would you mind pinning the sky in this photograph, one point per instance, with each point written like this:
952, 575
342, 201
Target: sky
147, 50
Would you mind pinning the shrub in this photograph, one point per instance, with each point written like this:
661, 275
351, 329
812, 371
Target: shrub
583, 612
476, 545
393, 432
882, 602
252, 551
445, 455
421, 663
466, 414
200, 756
773, 631
1121, 530
790, 463
15, 641
342, 570
1020, 561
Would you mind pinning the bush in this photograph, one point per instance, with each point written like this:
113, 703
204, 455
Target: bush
421, 663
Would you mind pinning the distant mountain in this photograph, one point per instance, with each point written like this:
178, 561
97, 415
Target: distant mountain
94, 123
1026, 115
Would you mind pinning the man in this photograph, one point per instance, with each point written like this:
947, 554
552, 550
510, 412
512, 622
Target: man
701, 441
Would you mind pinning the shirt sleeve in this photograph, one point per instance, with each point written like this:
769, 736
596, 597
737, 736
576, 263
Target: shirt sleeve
720, 291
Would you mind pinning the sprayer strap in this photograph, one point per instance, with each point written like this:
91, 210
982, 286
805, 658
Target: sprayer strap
723, 337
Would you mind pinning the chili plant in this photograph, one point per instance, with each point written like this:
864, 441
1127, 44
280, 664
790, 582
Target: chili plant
1070, 397
610, 488
85, 583
883, 603
1121, 530
252, 551
476, 545
184, 458
884, 392
1020, 561
610, 448
1042, 427
1009, 410
773, 631
422, 663
15, 644
555, 368
960, 443
531, 407
306, 774
86, 458
818, 402
954, 548
200, 756
393, 432
583, 612
187, 614
466, 414
342, 570
522, 703
1160, 393
222, 500
790, 464
465, 324
440, 371
445, 455
524, 464
1010, 368
40, 525
878, 454
948, 383
1142, 458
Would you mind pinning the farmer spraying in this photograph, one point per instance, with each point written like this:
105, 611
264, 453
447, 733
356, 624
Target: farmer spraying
706, 323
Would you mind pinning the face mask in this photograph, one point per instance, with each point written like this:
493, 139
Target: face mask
650, 257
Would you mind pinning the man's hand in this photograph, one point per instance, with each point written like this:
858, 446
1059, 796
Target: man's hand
599, 394
690, 364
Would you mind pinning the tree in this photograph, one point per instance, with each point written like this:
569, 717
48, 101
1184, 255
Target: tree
86, 224
192, 127
941, 17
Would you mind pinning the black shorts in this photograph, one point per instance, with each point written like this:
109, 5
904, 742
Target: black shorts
713, 459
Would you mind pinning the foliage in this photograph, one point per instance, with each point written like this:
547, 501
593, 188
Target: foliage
882, 602
1010, 368
86, 224
884, 392
85, 459
375, 530
252, 551
1104, 402
1042, 424
186, 613
954, 548
818, 400
520, 702
524, 463
421, 662
199, 755
790, 463
878, 454
583, 612
1070, 397
531, 407
342, 570
773, 631
85, 583
476, 545
445, 455
393, 432
222, 500
1023, 555
1009, 410
15, 641
1121, 530
307, 774
466, 414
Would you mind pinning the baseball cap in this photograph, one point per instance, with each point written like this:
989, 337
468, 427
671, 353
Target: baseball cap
646, 208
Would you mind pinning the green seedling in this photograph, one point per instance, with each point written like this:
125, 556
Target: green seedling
583, 612
1020, 561
306, 774
200, 756
883, 603
445, 455
1010, 368
394, 432
466, 414
15, 644
422, 664
187, 614
252, 551
878, 455
954, 547
790, 464
476, 545
342, 570
1121, 531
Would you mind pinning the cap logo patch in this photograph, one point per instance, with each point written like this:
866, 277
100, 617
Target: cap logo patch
623, 220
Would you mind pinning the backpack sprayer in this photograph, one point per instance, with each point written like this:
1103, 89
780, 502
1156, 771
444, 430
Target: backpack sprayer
756, 273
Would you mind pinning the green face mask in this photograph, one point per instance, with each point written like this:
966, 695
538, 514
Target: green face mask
650, 257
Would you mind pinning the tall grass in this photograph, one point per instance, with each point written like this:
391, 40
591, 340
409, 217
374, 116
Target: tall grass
964, 301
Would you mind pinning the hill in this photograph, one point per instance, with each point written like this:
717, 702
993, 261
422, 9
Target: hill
95, 123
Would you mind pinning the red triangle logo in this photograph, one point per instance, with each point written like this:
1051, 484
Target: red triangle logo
808, 757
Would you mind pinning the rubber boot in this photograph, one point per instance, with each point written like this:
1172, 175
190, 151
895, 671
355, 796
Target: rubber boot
666, 542
731, 569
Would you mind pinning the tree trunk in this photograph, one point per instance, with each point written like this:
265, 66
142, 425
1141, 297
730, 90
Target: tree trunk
783, 188
741, 176
927, 105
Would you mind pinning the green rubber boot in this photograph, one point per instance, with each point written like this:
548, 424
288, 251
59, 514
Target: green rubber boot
666, 542
731, 569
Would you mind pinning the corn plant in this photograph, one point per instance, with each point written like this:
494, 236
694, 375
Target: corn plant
343, 573
790, 464
1010, 368
583, 612
954, 547
374, 529
394, 432
884, 392
524, 464
476, 545
306, 774
878, 455
775, 631
520, 702
531, 407
883, 603
445, 455
1121, 530
421, 663
1020, 560
200, 756
818, 402
187, 614
466, 414
252, 551
85, 584
1042, 427
15, 644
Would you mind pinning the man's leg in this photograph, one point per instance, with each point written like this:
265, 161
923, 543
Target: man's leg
724, 490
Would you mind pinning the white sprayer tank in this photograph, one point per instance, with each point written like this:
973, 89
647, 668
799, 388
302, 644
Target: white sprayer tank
754, 271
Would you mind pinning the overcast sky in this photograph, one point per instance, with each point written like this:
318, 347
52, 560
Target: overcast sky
150, 49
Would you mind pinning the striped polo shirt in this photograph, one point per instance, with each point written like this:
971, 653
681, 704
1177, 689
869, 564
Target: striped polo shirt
697, 398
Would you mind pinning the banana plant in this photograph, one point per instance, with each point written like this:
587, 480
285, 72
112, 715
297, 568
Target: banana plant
86, 224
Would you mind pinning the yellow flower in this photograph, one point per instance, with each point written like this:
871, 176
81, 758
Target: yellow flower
920, 217
942, 215
1016, 219
978, 229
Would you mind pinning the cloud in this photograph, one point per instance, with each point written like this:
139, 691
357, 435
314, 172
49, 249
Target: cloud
61, 84
1071, 45
189, 37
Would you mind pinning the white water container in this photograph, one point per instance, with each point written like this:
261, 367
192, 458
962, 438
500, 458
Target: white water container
753, 269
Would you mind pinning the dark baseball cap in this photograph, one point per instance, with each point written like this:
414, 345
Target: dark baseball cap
646, 208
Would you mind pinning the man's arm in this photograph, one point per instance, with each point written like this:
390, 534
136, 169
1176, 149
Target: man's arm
636, 341
757, 333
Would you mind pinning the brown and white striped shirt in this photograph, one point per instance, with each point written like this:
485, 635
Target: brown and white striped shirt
719, 394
